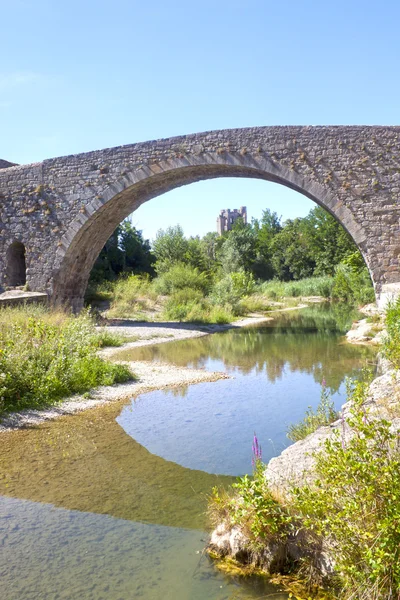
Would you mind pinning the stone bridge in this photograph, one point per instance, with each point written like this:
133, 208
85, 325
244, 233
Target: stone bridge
55, 216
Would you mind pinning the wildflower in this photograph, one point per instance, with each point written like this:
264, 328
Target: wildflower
257, 454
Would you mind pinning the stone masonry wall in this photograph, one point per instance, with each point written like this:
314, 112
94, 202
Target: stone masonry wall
64, 209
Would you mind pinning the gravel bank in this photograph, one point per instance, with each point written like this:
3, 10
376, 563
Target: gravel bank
149, 376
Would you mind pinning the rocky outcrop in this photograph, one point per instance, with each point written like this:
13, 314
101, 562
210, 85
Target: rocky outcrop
276, 555
360, 332
295, 466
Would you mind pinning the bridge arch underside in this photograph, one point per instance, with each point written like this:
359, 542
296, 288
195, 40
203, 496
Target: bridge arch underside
87, 235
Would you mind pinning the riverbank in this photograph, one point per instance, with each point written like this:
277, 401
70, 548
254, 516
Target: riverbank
149, 376
330, 501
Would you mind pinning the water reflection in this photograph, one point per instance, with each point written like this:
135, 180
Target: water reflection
278, 368
307, 341
94, 512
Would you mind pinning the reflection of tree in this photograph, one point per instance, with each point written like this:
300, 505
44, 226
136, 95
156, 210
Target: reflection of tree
180, 391
306, 341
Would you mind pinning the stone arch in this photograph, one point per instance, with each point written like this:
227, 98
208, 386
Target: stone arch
15, 264
88, 232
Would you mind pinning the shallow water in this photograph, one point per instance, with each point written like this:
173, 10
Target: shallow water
278, 369
110, 503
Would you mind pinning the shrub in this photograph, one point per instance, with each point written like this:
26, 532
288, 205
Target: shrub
354, 504
182, 303
391, 342
255, 303
132, 295
179, 277
229, 290
45, 357
189, 305
351, 285
310, 286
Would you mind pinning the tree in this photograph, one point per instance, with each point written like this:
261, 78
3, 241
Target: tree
265, 230
124, 251
170, 247
291, 251
238, 250
330, 244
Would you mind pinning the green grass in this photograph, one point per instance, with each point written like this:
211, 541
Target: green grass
311, 286
325, 414
48, 355
391, 343
133, 297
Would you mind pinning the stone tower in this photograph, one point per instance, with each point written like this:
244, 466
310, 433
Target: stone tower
227, 218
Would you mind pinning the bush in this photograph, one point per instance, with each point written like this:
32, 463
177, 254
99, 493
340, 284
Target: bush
131, 295
189, 305
179, 277
182, 303
45, 356
229, 290
351, 285
310, 286
391, 343
255, 303
352, 504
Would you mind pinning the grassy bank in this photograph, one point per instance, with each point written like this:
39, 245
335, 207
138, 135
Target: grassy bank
346, 285
48, 355
183, 293
351, 510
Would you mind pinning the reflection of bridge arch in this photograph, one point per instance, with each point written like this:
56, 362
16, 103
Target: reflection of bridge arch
71, 205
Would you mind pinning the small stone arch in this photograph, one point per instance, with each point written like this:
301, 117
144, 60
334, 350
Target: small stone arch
15, 265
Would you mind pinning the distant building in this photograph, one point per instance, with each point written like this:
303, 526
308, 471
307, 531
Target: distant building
227, 218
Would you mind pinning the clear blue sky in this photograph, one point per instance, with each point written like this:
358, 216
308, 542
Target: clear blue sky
78, 76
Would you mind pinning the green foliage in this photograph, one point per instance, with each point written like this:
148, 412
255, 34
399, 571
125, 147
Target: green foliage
46, 356
132, 296
311, 286
391, 342
107, 339
179, 277
229, 290
170, 247
330, 244
124, 252
252, 506
291, 252
183, 303
324, 414
351, 285
254, 303
238, 251
354, 504
190, 305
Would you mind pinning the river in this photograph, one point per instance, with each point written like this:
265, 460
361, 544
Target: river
110, 503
